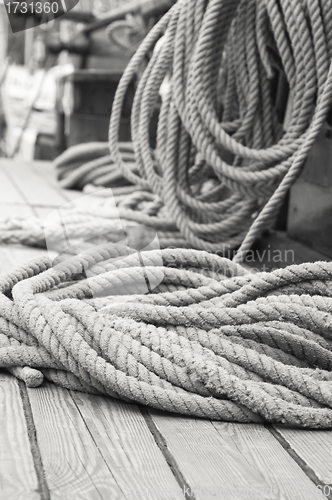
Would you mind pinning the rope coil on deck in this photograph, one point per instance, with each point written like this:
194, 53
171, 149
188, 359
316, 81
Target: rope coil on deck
210, 339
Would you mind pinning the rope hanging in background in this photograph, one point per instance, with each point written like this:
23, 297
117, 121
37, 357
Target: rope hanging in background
218, 120
223, 163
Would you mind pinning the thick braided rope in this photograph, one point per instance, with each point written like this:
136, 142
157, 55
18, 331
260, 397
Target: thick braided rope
211, 340
218, 120
91, 163
223, 163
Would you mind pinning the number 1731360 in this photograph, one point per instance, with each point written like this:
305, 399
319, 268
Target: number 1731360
39, 12
32, 7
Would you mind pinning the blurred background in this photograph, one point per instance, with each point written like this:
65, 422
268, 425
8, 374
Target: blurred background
58, 79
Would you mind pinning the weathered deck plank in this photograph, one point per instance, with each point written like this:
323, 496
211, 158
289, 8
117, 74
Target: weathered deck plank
96, 448
92, 447
33, 188
9, 192
18, 479
72, 463
231, 461
47, 171
128, 447
314, 448
7, 210
12, 256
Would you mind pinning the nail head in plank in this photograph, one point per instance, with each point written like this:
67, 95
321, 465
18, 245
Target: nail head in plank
18, 479
226, 460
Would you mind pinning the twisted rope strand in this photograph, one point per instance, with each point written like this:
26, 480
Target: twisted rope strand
186, 330
253, 357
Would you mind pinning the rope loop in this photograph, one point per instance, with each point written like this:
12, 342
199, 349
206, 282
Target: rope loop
221, 150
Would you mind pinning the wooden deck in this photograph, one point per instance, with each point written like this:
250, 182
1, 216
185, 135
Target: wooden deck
58, 445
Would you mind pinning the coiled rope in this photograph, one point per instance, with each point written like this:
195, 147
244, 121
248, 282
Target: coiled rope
222, 164
211, 340
208, 339
204, 120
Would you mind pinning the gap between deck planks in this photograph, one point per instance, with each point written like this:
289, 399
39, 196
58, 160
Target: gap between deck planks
18, 478
93, 447
30, 188
89, 447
